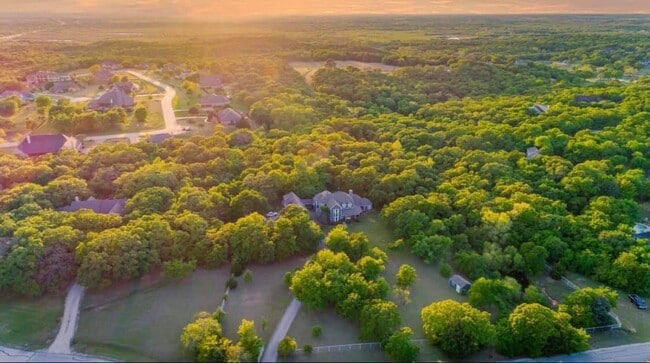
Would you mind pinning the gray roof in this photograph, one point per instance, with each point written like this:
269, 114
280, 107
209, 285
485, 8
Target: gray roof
459, 280
214, 100
104, 75
127, 86
211, 81
341, 197
62, 87
354, 211
228, 116
361, 201
104, 206
532, 152
113, 98
292, 198
320, 197
33, 145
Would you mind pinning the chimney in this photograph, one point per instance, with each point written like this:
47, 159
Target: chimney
76, 199
29, 140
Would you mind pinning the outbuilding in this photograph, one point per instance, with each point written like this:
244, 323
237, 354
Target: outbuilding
460, 284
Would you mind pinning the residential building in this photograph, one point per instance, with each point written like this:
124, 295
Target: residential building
126, 86
341, 206
115, 97
34, 145
228, 116
63, 87
23, 96
42, 77
539, 109
103, 206
212, 100
460, 284
211, 81
104, 76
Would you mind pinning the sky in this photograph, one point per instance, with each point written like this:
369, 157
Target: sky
245, 8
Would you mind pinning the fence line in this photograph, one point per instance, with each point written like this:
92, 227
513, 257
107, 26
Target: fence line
569, 283
595, 329
259, 356
354, 346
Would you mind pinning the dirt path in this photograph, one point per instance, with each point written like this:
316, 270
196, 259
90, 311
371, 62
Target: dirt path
271, 350
68, 327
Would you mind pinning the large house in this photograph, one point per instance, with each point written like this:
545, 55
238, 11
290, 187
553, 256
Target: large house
337, 207
34, 145
113, 98
63, 87
103, 206
103, 76
211, 81
39, 78
211, 101
228, 116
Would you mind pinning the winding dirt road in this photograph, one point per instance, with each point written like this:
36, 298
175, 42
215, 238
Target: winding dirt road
61, 343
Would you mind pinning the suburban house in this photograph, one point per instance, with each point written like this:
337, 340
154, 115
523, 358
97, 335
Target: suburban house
460, 284
212, 100
292, 199
532, 152
103, 76
587, 99
159, 138
34, 145
103, 206
113, 98
63, 87
127, 86
110, 65
211, 81
23, 96
228, 116
39, 78
539, 109
338, 206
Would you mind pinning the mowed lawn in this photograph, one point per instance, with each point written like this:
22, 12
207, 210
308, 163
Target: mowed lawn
429, 287
143, 320
265, 297
30, 323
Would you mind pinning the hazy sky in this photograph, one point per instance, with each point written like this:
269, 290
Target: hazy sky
242, 8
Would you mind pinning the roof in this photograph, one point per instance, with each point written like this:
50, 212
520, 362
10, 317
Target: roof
588, 99
104, 206
62, 87
292, 198
320, 197
214, 100
127, 86
354, 211
158, 138
104, 75
361, 201
229, 116
540, 108
211, 81
341, 197
459, 281
24, 96
33, 145
113, 98
532, 152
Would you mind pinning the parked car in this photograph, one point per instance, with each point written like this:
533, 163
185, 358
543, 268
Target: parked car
638, 301
271, 214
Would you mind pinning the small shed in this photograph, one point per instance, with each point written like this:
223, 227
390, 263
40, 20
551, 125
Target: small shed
460, 284
532, 152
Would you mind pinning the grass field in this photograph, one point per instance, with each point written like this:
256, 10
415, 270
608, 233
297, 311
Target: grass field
266, 296
307, 69
143, 320
30, 323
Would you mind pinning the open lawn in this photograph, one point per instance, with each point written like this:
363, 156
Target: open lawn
266, 296
430, 285
143, 319
307, 69
30, 323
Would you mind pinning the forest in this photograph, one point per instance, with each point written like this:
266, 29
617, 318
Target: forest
438, 145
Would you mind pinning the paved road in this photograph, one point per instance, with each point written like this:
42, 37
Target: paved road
271, 350
61, 343
622, 353
16, 355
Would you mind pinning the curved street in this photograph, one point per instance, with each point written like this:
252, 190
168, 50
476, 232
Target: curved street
623, 353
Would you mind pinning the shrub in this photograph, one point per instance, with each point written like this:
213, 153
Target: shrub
236, 269
308, 349
316, 331
445, 270
248, 276
232, 283
557, 271
287, 278
178, 269
219, 314
287, 347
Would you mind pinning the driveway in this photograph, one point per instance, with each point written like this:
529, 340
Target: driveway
68, 327
17, 355
622, 353
271, 350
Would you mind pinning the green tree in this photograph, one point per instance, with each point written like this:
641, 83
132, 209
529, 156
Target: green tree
287, 347
589, 307
400, 348
458, 329
406, 276
535, 330
248, 340
503, 295
378, 320
140, 113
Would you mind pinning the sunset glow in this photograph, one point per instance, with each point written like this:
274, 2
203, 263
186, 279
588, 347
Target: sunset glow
244, 8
